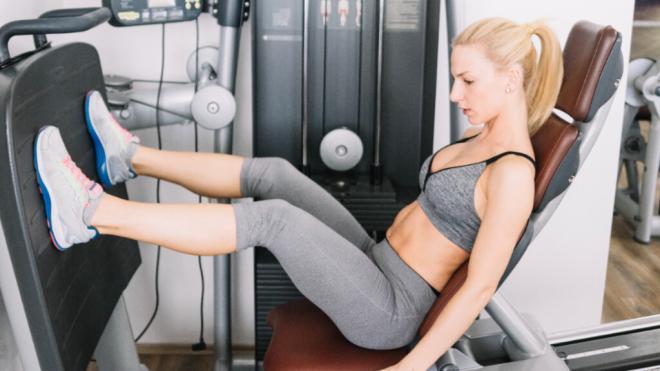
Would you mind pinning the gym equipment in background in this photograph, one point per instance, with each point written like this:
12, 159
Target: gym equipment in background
636, 202
208, 100
204, 99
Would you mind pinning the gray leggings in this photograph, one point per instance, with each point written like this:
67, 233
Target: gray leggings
375, 299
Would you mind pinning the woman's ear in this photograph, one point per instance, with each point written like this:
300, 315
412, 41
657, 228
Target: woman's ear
515, 76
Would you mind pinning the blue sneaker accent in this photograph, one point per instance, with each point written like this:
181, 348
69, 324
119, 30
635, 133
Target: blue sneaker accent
70, 197
101, 167
114, 145
44, 193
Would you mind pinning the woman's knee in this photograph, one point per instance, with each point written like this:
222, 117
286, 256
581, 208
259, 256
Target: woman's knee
260, 223
279, 209
265, 174
278, 167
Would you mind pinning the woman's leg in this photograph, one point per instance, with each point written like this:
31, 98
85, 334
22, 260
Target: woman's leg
197, 229
373, 297
119, 157
272, 178
208, 174
221, 175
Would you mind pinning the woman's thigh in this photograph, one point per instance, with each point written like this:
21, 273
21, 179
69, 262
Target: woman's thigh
271, 178
375, 301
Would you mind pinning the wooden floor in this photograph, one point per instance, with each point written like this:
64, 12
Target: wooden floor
632, 287
181, 358
172, 362
171, 358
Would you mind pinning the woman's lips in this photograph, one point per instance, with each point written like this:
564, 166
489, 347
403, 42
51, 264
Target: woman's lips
466, 111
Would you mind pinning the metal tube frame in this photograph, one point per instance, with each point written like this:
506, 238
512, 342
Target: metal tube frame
116, 348
226, 70
641, 214
305, 83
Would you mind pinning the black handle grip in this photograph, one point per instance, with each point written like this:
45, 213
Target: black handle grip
40, 39
231, 13
56, 21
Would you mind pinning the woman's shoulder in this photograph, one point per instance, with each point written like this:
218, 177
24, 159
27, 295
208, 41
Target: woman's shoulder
514, 161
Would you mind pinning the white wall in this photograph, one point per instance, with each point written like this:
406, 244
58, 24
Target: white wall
12, 11
561, 279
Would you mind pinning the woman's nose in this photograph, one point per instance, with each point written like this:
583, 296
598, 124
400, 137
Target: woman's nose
455, 94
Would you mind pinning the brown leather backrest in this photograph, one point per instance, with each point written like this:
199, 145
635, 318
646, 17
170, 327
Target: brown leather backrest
587, 49
551, 144
586, 54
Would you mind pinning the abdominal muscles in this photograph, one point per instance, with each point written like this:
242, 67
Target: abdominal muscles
423, 247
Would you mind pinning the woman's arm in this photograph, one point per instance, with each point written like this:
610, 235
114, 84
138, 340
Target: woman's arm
510, 198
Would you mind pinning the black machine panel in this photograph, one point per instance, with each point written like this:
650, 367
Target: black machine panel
342, 81
142, 12
69, 296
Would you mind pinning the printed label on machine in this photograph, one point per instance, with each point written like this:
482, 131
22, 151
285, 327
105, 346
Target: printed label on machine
403, 15
128, 16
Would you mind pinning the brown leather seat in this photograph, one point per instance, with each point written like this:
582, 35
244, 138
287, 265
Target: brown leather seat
304, 338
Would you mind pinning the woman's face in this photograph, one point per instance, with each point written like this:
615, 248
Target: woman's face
479, 86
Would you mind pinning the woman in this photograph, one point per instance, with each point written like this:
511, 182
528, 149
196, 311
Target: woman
476, 198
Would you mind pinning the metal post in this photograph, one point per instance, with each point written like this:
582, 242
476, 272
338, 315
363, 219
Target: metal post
376, 168
647, 196
305, 84
226, 70
528, 342
116, 349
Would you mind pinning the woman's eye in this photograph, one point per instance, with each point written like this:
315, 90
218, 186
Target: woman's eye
468, 82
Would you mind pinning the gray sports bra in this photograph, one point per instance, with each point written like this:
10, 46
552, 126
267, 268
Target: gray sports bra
447, 197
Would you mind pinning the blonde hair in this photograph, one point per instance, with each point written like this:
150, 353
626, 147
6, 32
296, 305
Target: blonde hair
507, 43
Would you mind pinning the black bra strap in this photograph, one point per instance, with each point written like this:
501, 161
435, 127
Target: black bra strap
498, 156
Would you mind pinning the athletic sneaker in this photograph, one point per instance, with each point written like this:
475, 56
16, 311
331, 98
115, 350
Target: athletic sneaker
114, 145
70, 197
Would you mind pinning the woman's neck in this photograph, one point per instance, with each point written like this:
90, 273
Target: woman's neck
510, 126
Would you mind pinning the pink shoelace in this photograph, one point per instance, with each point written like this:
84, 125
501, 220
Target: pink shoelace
84, 181
128, 136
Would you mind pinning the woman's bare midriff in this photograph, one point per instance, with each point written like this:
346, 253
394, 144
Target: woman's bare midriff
423, 248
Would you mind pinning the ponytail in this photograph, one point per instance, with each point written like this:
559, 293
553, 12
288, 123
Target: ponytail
544, 81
